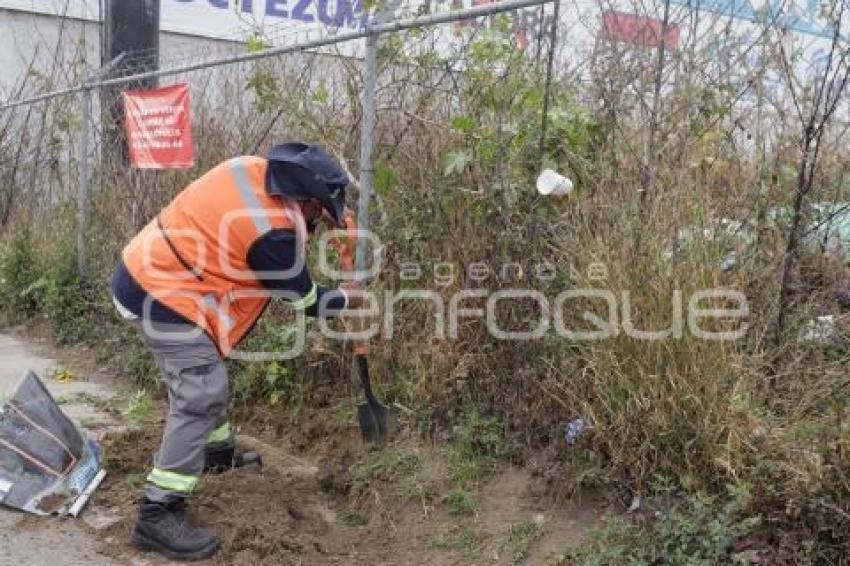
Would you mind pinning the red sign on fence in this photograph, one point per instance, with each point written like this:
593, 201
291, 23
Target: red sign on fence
159, 130
638, 30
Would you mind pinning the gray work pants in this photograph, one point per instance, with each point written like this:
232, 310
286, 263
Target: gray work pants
197, 396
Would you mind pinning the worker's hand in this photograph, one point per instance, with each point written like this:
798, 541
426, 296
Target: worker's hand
345, 246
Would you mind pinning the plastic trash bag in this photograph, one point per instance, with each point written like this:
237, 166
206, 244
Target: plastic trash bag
47, 464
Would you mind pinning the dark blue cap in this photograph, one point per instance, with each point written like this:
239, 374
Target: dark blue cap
302, 171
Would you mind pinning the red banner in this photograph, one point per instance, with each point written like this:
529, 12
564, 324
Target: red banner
638, 30
159, 130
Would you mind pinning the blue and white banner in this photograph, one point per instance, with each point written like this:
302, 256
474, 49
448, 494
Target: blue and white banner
236, 19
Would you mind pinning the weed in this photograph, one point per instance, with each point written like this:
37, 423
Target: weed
465, 469
414, 489
455, 537
32, 281
273, 381
696, 531
472, 453
521, 537
19, 272
389, 464
86, 398
354, 519
460, 502
69, 301
138, 407
697, 411
137, 360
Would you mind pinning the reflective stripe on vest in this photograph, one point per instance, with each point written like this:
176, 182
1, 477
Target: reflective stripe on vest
246, 191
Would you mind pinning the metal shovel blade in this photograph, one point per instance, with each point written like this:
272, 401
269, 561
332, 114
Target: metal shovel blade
375, 419
374, 422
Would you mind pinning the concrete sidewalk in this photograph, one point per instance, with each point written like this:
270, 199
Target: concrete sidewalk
37, 541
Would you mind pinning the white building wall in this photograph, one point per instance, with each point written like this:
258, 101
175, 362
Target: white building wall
59, 50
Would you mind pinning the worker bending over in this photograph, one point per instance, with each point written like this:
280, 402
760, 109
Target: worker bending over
194, 282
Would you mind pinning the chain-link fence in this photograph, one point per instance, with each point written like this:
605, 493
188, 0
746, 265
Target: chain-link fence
287, 82
66, 158
648, 109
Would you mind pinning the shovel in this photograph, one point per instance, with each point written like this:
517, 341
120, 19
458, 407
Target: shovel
375, 419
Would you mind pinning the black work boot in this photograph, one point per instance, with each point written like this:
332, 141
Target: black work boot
164, 527
219, 457
223, 456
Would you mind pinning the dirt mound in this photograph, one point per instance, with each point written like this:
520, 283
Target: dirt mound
266, 516
275, 514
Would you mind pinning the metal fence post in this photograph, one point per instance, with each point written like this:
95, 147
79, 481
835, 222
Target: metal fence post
84, 179
370, 75
547, 89
83, 190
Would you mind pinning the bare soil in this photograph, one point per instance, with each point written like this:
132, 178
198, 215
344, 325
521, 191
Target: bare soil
318, 499
304, 506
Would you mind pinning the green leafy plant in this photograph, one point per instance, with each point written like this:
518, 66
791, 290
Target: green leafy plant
138, 407
20, 276
274, 381
266, 89
460, 502
472, 453
389, 464
698, 531
456, 162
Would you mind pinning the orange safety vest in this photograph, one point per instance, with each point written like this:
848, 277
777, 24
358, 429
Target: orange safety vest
193, 256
